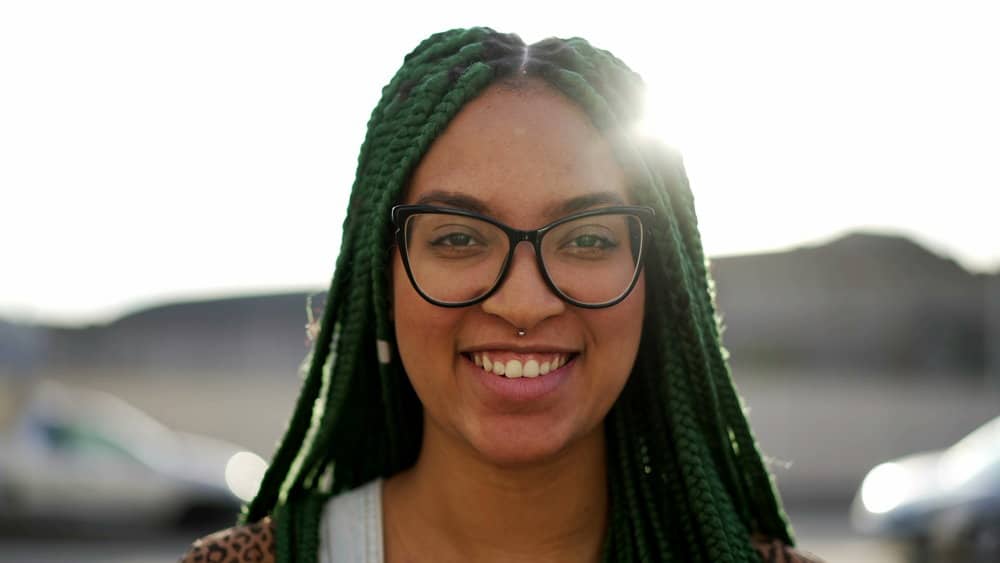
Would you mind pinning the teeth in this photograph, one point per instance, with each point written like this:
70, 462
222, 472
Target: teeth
514, 368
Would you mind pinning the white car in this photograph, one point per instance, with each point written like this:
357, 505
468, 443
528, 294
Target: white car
945, 504
80, 456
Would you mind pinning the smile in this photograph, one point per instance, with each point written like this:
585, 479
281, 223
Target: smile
513, 365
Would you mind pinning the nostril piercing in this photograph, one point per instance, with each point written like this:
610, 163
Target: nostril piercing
521, 332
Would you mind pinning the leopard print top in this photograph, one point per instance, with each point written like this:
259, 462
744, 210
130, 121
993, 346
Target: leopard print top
254, 543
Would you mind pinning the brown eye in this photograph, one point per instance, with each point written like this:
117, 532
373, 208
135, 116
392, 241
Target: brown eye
454, 239
592, 241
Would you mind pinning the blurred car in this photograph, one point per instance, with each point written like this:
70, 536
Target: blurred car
944, 504
77, 456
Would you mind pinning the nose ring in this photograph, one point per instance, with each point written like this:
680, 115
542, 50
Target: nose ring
521, 332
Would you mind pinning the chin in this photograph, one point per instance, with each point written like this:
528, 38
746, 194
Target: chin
519, 444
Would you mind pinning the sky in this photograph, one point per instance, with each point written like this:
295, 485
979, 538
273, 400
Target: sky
153, 151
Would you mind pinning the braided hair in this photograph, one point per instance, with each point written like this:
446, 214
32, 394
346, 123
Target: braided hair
686, 479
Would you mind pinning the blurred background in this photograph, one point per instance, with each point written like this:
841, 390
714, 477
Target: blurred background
174, 178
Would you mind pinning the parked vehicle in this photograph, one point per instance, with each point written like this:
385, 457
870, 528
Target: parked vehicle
945, 504
71, 455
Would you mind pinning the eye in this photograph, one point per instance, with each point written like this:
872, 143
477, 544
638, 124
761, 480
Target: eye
455, 240
592, 241
588, 240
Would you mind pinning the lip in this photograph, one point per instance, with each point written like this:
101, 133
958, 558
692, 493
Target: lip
499, 391
520, 348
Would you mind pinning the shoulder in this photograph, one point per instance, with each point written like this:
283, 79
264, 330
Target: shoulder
775, 551
250, 543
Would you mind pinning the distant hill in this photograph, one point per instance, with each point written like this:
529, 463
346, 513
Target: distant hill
860, 302
255, 336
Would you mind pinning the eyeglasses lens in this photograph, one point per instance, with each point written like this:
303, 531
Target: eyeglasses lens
591, 260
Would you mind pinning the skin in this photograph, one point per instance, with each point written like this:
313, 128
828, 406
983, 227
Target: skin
497, 481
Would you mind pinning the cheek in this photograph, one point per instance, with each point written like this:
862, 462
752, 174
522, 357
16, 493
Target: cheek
616, 333
424, 332
406, 313
636, 312
624, 323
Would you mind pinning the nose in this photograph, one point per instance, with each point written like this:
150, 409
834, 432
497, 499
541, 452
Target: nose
523, 298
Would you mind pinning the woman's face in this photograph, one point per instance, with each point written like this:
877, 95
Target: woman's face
520, 156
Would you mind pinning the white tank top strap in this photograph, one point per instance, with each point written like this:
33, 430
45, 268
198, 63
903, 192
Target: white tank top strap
351, 526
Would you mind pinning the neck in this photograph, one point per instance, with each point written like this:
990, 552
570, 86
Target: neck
454, 502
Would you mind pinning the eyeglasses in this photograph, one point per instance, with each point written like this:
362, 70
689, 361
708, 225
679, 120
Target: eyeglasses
457, 258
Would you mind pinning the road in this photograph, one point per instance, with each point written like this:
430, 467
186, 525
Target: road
828, 535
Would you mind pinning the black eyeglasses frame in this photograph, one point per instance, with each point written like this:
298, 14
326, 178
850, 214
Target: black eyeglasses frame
400, 214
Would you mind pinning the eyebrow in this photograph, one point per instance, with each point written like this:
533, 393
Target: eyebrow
452, 199
582, 202
554, 211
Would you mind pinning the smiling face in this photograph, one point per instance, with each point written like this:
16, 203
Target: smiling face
524, 157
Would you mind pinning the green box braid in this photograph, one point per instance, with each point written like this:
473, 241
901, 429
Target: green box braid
686, 479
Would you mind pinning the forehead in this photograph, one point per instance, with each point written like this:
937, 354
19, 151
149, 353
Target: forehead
522, 154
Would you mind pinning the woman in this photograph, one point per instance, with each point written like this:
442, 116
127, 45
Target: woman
519, 339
